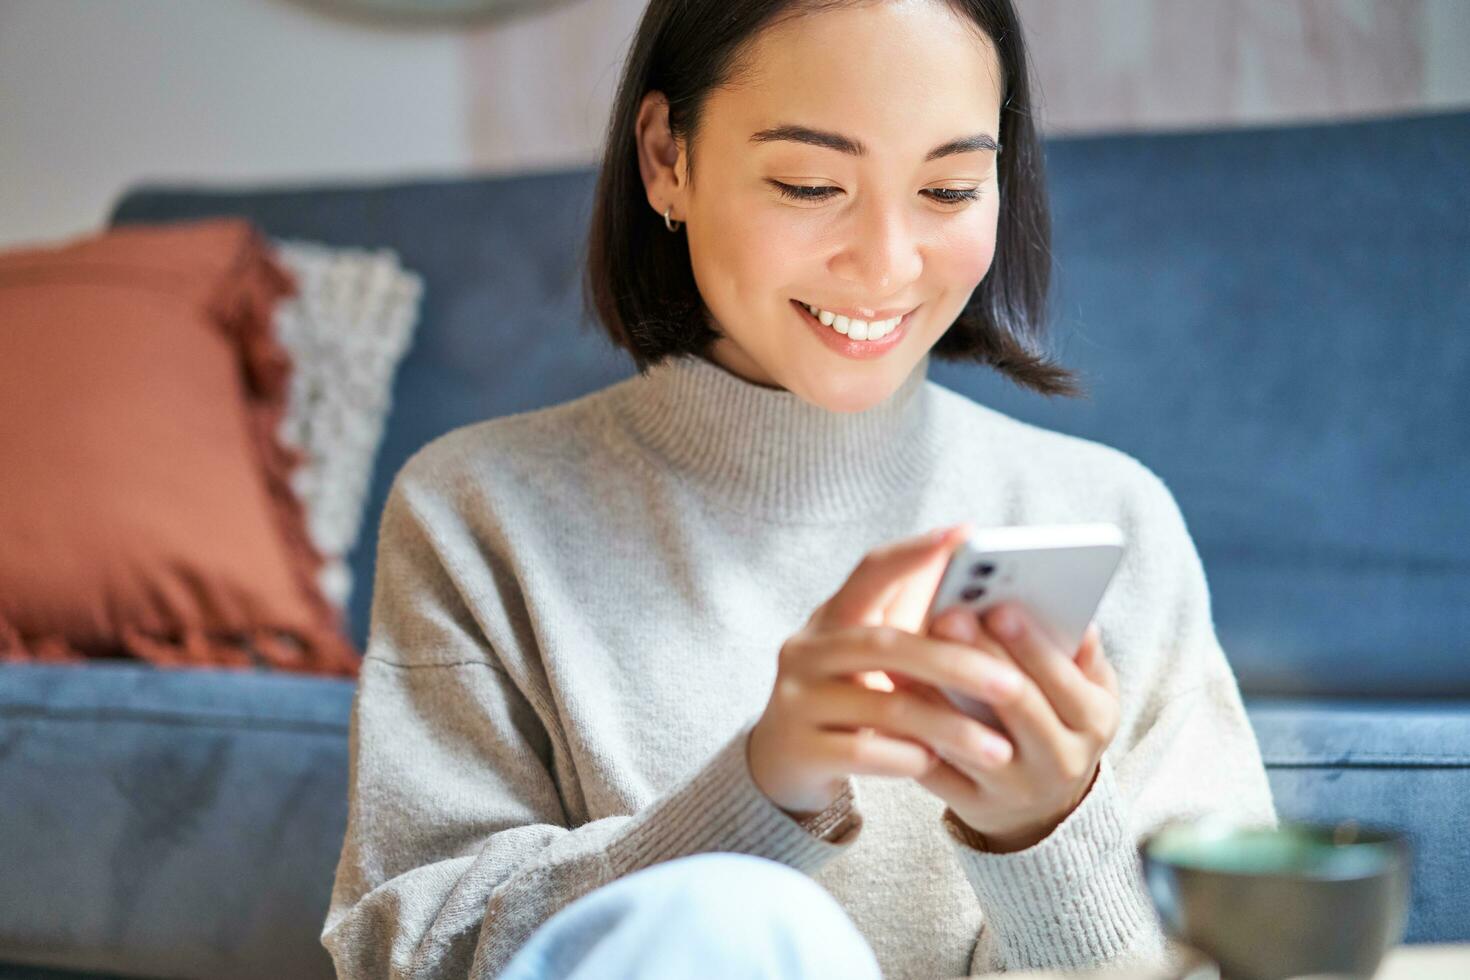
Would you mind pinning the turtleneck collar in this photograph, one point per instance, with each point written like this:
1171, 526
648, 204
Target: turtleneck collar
766, 451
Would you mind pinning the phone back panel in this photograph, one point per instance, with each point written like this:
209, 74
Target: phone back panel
1059, 573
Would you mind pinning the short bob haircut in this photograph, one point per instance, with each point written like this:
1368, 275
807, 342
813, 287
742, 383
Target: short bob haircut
639, 282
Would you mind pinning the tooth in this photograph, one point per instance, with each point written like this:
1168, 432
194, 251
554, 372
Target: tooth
841, 323
858, 330
826, 317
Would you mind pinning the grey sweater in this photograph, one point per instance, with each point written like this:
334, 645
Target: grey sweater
575, 622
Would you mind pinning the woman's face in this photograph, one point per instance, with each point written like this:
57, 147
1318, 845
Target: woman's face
888, 231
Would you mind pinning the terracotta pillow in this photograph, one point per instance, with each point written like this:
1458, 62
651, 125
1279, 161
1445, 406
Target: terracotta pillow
145, 499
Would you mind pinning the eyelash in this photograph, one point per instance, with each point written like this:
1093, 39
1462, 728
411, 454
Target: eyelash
948, 195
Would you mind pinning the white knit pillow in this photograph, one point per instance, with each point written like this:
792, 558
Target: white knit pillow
346, 329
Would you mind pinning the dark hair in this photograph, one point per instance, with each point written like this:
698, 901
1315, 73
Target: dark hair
639, 282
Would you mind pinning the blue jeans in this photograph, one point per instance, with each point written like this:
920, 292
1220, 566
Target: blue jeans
715, 915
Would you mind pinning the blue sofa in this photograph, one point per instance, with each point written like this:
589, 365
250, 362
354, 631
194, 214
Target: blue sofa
1277, 320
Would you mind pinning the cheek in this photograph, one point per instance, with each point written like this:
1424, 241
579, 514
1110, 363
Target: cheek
967, 251
745, 252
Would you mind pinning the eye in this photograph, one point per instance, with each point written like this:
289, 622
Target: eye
802, 193
955, 195
944, 195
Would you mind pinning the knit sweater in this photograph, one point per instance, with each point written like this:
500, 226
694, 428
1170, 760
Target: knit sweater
575, 622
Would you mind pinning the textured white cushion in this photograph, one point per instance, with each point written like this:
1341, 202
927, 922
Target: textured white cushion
347, 329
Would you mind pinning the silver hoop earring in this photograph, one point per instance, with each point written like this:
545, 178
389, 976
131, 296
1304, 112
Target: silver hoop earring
675, 225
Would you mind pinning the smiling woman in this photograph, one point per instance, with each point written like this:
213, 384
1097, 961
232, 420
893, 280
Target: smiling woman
646, 664
868, 159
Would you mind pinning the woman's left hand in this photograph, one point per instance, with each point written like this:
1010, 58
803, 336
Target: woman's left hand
1058, 724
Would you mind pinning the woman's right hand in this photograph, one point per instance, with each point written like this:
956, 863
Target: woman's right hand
835, 711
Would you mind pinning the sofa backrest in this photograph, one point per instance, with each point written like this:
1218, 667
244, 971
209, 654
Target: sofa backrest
1275, 320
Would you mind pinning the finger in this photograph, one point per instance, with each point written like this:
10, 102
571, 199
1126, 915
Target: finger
947, 782
1092, 661
1074, 698
941, 729
1042, 743
872, 753
902, 682
877, 578
929, 692
1031, 723
937, 662
1086, 653
1029, 719
963, 626
908, 605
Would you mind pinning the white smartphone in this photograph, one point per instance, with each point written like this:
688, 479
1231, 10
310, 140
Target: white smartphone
1058, 572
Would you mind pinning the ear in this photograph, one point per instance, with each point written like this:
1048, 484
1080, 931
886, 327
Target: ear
661, 159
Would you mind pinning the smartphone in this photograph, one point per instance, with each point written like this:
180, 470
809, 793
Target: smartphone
1059, 573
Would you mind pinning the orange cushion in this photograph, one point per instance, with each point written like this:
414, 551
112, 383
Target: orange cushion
145, 500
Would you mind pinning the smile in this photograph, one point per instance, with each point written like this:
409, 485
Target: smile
844, 342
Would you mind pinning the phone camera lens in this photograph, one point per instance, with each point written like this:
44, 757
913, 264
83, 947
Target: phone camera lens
982, 569
972, 592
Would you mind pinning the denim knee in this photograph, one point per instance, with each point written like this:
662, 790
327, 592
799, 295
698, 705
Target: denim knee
741, 894
711, 915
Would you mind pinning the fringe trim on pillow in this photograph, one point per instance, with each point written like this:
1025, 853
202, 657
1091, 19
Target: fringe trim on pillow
259, 648
244, 306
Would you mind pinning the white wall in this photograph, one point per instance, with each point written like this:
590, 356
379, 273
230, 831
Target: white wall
98, 94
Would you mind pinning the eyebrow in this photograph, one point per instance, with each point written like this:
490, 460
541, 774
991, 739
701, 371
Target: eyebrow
846, 144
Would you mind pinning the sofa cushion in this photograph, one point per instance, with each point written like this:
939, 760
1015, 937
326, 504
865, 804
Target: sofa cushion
144, 500
170, 823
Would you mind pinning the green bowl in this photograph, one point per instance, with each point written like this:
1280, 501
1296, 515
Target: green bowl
1266, 903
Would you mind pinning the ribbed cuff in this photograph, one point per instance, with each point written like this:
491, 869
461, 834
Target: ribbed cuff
839, 819
1075, 899
720, 808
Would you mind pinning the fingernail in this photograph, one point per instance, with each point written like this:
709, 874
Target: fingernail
1006, 622
998, 749
1006, 683
945, 532
958, 625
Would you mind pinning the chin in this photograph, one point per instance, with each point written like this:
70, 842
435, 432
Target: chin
857, 393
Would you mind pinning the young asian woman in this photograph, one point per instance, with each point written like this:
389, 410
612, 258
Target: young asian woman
644, 686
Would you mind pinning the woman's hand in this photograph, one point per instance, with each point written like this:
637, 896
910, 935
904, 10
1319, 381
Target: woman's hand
835, 711
1060, 722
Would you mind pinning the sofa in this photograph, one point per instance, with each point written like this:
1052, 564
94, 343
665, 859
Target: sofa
1275, 319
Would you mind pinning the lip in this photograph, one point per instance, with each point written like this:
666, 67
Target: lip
856, 349
852, 313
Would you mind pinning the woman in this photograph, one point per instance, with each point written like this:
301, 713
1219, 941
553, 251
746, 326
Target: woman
649, 658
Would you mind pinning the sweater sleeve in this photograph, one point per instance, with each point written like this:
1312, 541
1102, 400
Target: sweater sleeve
457, 843
1184, 749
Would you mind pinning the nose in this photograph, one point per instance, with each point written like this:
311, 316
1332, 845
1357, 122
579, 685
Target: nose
883, 252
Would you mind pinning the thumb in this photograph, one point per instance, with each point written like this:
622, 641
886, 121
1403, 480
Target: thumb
872, 585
